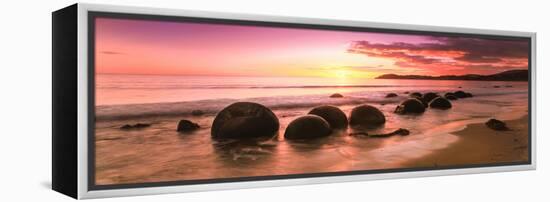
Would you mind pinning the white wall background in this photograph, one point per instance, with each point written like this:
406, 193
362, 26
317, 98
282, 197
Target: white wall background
25, 104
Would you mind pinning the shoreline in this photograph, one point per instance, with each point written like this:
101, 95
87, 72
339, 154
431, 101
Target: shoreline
479, 144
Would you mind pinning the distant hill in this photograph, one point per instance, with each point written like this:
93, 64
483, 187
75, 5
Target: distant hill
511, 75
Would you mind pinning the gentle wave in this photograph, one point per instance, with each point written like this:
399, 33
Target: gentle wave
211, 107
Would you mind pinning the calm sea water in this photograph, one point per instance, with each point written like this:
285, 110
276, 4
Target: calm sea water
159, 153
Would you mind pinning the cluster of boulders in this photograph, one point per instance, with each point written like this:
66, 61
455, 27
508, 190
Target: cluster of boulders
418, 102
253, 120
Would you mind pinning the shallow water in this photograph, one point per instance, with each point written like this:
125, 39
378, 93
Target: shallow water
159, 153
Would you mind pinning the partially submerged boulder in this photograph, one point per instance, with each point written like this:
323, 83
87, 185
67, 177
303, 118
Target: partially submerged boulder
366, 116
440, 103
496, 125
416, 95
462, 94
187, 126
451, 97
333, 115
336, 95
390, 95
428, 97
308, 126
135, 126
245, 120
410, 106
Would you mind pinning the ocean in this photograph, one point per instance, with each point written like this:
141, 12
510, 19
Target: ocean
159, 153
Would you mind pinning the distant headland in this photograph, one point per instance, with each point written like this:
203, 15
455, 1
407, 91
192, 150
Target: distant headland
511, 75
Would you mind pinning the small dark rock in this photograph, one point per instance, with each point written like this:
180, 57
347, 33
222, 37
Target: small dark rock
460, 87
126, 127
336, 95
197, 112
390, 95
460, 94
245, 120
496, 124
496, 86
450, 93
366, 116
410, 106
187, 126
135, 126
509, 86
406, 92
468, 95
333, 115
308, 126
440, 103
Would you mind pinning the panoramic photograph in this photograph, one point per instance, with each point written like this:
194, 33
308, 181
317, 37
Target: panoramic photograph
183, 100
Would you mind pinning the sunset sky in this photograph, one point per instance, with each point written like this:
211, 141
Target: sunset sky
176, 48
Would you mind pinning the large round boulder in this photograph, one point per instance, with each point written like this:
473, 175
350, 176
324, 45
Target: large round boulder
428, 97
308, 126
440, 103
416, 95
410, 106
366, 116
333, 115
245, 120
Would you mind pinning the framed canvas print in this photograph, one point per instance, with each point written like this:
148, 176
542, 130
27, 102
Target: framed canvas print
150, 101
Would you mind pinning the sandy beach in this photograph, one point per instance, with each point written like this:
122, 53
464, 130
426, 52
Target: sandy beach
479, 144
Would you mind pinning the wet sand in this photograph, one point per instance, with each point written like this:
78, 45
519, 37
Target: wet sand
479, 144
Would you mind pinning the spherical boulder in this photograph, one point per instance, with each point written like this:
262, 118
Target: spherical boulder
336, 95
308, 126
451, 97
333, 115
440, 103
460, 94
410, 106
187, 126
428, 97
390, 95
244, 120
416, 95
366, 116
